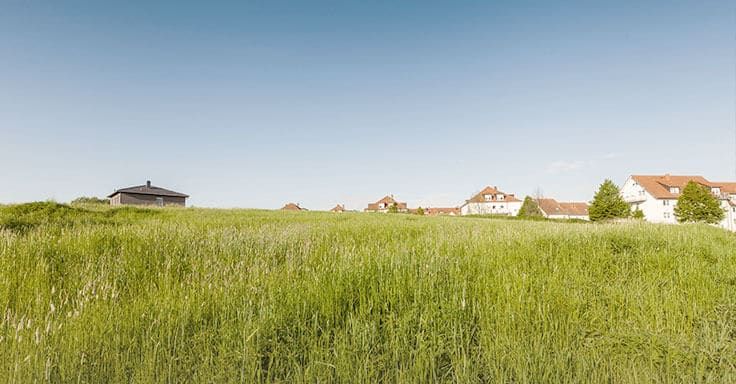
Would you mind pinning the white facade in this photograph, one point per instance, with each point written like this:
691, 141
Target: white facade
509, 208
491, 201
662, 210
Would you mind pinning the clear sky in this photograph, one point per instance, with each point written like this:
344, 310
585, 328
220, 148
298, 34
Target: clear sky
254, 104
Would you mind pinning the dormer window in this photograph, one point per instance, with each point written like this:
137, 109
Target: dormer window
500, 197
488, 197
674, 190
716, 191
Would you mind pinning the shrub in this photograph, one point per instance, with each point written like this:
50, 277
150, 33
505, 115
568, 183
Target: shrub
530, 208
90, 200
638, 214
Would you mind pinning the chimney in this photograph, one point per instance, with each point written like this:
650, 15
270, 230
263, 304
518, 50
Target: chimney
148, 183
667, 176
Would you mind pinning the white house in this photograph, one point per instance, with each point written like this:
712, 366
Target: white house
553, 209
491, 201
656, 196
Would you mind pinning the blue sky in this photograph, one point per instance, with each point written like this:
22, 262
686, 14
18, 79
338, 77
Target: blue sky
254, 104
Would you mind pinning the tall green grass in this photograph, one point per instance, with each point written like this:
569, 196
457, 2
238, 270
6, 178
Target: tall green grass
201, 295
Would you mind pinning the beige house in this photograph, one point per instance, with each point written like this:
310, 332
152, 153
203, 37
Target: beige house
385, 204
147, 195
491, 201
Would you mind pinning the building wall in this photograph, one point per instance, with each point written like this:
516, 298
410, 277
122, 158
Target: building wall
655, 210
140, 199
509, 208
663, 210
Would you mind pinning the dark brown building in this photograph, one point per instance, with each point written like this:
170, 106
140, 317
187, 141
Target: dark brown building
147, 195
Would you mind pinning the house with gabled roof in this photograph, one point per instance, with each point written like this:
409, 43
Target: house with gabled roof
656, 196
385, 204
340, 208
491, 201
441, 211
292, 207
147, 194
553, 209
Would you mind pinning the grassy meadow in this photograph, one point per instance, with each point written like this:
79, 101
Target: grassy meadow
197, 295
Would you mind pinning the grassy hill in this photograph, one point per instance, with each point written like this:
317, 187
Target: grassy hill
196, 295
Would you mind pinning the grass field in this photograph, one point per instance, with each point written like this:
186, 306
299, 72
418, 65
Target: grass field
196, 295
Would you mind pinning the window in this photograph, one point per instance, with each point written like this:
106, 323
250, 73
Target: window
674, 190
500, 197
160, 201
488, 197
665, 202
716, 191
666, 215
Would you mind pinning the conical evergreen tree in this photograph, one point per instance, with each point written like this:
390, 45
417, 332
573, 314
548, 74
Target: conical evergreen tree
608, 203
698, 204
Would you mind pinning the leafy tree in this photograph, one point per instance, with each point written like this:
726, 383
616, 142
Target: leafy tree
420, 211
698, 204
608, 203
394, 208
530, 208
638, 214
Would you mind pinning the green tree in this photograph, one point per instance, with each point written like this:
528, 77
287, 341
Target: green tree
638, 214
530, 208
608, 203
698, 204
394, 208
420, 211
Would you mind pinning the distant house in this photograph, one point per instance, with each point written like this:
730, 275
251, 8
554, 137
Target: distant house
292, 207
338, 209
147, 195
553, 209
656, 196
442, 211
385, 204
491, 201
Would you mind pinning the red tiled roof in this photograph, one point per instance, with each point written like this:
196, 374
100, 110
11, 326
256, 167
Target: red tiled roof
442, 211
553, 207
387, 201
292, 207
478, 198
659, 185
338, 208
727, 187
